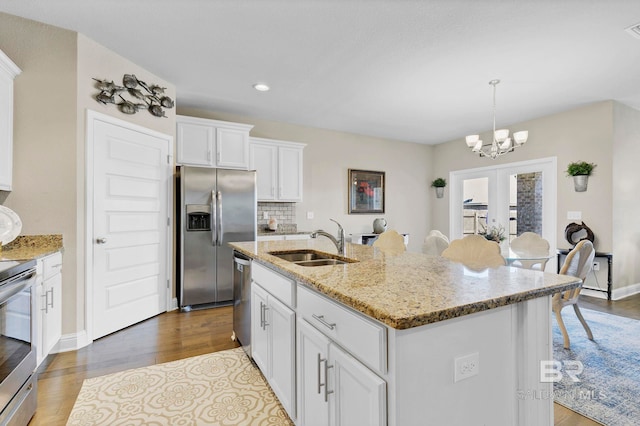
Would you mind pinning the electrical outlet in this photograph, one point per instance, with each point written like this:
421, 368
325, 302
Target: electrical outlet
596, 266
466, 366
309, 215
574, 215
265, 215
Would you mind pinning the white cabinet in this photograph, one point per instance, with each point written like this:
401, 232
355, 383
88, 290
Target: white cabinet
212, 143
273, 333
279, 167
8, 71
333, 387
48, 304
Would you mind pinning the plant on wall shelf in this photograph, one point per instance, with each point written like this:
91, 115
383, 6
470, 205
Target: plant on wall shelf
439, 185
580, 170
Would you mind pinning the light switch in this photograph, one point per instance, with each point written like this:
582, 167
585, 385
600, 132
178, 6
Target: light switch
309, 215
574, 215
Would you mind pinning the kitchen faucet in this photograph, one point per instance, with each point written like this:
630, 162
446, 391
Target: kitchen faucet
339, 242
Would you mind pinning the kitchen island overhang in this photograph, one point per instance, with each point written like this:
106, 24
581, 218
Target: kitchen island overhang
436, 313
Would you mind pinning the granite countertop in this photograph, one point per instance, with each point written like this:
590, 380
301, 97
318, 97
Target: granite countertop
262, 232
405, 290
26, 247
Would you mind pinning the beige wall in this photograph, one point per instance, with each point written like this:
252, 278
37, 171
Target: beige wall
605, 133
327, 158
581, 134
44, 171
626, 202
51, 98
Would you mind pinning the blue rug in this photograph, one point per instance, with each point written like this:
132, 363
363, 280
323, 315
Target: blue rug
608, 389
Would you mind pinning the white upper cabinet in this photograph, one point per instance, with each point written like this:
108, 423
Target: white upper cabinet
212, 143
279, 167
8, 71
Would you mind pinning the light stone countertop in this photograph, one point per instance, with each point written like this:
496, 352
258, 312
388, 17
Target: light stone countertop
408, 289
27, 247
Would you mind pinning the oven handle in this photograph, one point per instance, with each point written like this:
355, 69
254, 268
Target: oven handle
9, 290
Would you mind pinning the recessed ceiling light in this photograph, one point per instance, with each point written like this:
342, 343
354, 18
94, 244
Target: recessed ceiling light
261, 87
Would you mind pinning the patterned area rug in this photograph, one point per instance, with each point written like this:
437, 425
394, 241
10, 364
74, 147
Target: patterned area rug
609, 383
221, 388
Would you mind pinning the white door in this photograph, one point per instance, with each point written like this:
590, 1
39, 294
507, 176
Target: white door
130, 223
360, 396
259, 324
282, 325
313, 396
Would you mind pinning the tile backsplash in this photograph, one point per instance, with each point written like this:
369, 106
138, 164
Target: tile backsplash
285, 213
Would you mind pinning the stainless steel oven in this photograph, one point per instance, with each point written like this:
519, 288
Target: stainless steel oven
18, 383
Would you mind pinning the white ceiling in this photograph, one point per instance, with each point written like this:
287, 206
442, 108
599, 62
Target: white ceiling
405, 69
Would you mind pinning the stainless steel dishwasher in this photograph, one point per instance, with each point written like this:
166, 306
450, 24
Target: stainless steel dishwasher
242, 300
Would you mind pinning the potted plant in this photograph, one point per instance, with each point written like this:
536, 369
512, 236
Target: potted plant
580, 170
439, 185
493, 233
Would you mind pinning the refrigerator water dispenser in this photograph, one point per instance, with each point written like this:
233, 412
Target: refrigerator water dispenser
198, 217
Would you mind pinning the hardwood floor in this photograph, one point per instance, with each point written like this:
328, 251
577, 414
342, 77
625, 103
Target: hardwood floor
166, 337
176, 335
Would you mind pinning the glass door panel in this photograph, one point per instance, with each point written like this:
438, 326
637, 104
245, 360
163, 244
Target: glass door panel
475, 205
519, 197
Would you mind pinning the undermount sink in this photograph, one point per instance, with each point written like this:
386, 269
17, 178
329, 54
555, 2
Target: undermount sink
310, 258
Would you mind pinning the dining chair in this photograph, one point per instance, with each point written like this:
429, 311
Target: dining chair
435, 244
439, 234
527, 244
578, 263
390, 241
475, 252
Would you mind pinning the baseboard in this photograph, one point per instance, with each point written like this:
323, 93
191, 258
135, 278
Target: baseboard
174, 304
616, 293
621, 293
72, 342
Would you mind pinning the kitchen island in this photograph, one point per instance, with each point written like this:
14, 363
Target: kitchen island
438, 342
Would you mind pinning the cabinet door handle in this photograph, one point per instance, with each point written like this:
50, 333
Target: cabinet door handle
51, 304
326, 381
46, 302
266, 324
324, 322
320, 384
262, 315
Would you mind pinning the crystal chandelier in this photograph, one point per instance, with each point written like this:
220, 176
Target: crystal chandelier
501, 143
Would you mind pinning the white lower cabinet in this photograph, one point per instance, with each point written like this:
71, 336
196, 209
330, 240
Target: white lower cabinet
323, 361
334, 388
48, 305
273, 343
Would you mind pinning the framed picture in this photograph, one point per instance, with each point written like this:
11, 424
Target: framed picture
366, 191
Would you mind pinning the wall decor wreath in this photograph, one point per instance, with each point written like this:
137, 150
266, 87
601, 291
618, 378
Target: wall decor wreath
139, 95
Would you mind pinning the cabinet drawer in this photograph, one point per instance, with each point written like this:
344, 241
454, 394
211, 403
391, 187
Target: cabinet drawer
279, 286
52, 265
360, 336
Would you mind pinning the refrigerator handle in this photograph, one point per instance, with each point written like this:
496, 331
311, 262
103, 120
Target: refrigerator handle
214, 236
220, 230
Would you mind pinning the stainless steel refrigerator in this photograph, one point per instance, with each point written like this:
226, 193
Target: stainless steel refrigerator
217, 206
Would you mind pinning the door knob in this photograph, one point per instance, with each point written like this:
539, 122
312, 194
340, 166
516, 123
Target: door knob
101, 240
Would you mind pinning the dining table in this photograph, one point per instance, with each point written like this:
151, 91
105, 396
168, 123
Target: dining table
526, 259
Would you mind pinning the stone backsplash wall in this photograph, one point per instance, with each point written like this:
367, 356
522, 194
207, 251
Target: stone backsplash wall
530, 202
285, 213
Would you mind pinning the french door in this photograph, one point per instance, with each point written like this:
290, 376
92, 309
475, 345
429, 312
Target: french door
515, 197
